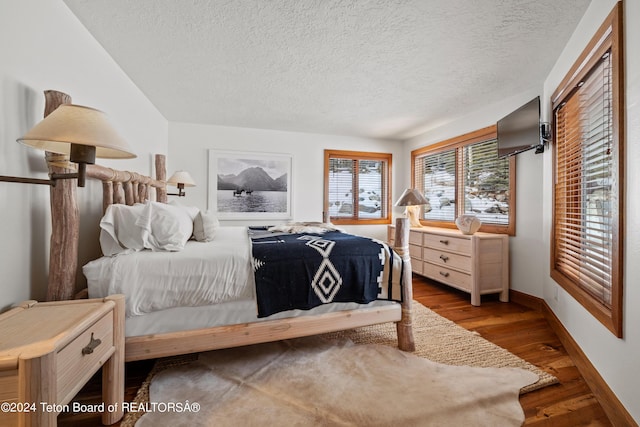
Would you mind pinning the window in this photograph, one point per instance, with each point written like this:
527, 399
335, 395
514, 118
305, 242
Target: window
588, 177
464, 175
357, 187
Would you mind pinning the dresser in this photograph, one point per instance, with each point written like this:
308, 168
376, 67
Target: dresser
48, 352
477, 264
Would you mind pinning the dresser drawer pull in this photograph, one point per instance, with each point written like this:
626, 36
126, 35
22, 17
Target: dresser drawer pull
444, 242
93, 343
444, 273
444, 258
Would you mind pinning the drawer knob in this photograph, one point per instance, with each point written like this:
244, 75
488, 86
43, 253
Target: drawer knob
444, 258
444, 273
93, 343
444, 242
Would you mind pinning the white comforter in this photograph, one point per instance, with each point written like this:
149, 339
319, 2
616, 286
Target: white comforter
155, 281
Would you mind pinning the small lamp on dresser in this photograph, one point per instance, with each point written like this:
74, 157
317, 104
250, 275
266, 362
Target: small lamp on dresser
412, 199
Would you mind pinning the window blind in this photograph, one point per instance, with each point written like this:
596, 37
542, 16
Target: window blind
372, 185
584, 187
435, 177
357, 186
465, 178
486, 183
342, 187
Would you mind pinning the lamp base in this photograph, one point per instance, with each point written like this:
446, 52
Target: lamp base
413, 213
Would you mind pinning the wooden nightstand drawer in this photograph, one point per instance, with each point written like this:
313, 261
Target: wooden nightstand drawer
83, 356
447, 259
448, 243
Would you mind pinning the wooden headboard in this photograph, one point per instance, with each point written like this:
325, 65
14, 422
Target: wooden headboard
124, 187
120, 187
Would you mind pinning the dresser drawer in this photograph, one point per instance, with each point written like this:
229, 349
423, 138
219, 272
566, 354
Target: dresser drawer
416, 265
72, 364
415, 238
448, 276
447, 259
448, 243
415, 251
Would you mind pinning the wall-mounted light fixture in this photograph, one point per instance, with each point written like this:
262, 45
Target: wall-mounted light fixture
83, 133
412, 199
180, 179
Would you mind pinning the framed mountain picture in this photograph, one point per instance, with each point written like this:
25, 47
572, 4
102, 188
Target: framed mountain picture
244, 185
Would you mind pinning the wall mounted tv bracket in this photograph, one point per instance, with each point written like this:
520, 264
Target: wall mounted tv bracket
545, 137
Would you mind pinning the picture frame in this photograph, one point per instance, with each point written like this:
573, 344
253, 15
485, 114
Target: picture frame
249, 185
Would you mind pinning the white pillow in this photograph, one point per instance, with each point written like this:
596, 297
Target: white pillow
191, 210
169, 226
204, 226
119, 232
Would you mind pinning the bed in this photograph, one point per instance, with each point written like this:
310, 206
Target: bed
205, 321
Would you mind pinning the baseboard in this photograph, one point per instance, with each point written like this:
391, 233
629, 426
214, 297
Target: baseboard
616, 412
526, 300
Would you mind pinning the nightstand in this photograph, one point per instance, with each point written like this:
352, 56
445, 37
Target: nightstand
48, 352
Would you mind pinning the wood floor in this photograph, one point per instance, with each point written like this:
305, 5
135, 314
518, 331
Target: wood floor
525, 333
520, 330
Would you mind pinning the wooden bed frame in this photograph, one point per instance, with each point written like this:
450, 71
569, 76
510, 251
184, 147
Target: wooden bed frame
129, 188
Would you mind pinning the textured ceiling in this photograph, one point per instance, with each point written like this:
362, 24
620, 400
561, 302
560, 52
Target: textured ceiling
375, 68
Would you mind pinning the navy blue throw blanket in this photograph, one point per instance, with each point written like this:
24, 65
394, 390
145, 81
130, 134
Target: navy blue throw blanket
302, 271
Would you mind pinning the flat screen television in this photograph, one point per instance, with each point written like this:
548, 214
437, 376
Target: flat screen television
520, 130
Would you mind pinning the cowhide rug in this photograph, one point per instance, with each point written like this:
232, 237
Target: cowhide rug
312, 381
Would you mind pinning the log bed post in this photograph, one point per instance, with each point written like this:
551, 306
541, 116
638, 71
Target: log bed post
161, 175
65, 217
405, 326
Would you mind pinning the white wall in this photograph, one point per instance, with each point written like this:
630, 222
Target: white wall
189, 145
617, 360
45, 47
527, 247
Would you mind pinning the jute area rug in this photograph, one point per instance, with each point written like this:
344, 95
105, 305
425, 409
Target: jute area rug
355, 377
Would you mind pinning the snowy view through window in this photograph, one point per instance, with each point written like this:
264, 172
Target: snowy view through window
369, 193
485, 179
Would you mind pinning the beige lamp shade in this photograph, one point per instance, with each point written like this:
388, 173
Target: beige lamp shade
411, 197
181, 177
74, 124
